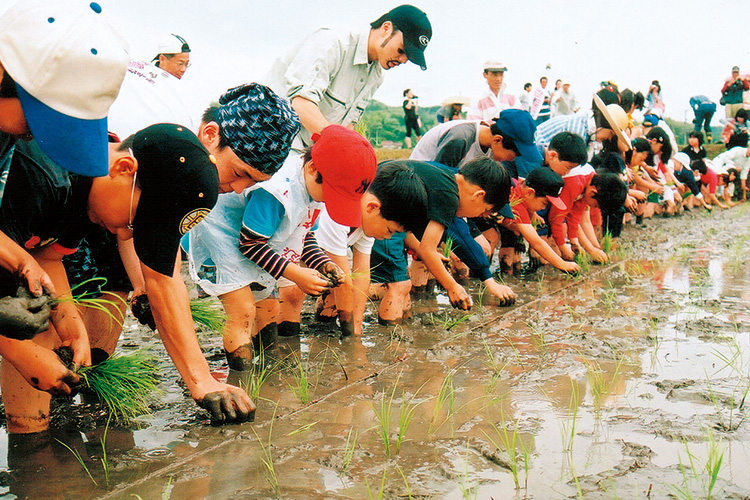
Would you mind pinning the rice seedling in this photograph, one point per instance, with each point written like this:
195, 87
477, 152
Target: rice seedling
124, 383
448, 322
506, 440
258, 376
208, 314
406, 483
111, 304
384, 414
697, 476
406, 415
301, 382
468, 491
608, 242
303, 428
583, 260
448, 247
351, 445
381, 490
103, 442
538, 337
446, 395
269, 467
601, 385
79, 458
568, 425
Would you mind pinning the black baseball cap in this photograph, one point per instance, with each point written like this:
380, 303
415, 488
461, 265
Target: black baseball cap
179, 187
417, 31
546, 182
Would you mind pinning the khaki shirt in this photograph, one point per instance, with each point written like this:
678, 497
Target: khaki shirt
330, 69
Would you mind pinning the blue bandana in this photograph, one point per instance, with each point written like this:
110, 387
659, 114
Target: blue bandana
258, 125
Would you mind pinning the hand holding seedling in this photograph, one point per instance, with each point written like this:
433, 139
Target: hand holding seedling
23, 316
333, 273
309, 280
231, 404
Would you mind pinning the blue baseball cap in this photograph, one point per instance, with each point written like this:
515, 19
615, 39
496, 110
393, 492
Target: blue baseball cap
519, 126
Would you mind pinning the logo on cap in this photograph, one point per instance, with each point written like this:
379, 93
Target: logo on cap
424, 40
192, 219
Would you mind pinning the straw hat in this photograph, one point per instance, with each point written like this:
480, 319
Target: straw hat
616, 118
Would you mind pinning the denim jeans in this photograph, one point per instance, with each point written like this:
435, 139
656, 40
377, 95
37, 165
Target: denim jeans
703, 115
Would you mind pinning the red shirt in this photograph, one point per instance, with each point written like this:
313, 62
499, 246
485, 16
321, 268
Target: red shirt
572, 195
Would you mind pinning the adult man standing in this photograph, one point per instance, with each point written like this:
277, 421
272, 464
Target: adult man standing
565, 101
411, 119
331, 75
704, 110
494, 99
731, 92
173, 56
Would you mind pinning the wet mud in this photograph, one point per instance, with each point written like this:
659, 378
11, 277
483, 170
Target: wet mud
630, 381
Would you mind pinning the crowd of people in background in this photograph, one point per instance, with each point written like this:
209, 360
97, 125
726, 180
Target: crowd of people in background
271, 195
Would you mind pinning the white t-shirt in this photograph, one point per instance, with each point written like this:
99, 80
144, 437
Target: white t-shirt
148, 95
336, 239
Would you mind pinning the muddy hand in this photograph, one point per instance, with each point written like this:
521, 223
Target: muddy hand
141, 309
228, 406
459, 298
333, 274
42, 368
24, 316
38, 281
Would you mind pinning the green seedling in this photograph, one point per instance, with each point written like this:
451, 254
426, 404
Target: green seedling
384, 414
208, 314
109, 303
406, 483
601, 385
608, 242
446, 396
506, 440
583, 260
303, 428
568, 425
468, 491
381, 491
259, 375
701, 476
79, 458
269, 466
124, 383
349, 448
301, 385
406, 415
448, 247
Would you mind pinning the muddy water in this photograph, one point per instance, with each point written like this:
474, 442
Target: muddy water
600, 387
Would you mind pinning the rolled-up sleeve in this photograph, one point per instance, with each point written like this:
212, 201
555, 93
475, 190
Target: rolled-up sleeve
314, 65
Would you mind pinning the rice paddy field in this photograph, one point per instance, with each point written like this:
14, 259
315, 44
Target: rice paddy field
628, 382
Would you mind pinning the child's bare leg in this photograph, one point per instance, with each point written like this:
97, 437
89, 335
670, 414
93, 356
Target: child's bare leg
267, 314
239, 328
26, 408
291, 299
394, 303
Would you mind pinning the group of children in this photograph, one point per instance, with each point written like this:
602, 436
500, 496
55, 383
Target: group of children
265, 218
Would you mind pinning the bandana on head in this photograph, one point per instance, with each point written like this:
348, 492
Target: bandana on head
258, 125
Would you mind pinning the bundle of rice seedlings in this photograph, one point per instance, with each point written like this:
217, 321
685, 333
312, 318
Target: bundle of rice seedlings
124, 383
107, 302
208, 314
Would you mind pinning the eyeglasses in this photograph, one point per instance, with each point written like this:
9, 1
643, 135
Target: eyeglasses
132, 193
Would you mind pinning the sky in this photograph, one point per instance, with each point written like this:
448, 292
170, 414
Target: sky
690, 46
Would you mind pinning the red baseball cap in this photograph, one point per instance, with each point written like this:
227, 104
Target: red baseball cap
347, 163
